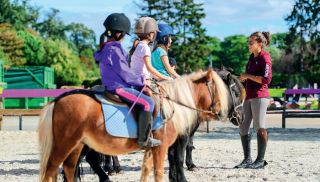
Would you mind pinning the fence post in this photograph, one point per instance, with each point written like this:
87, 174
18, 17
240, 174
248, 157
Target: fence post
207, 126
20, 122
284, 110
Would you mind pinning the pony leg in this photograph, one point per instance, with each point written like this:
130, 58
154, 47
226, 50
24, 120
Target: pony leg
146, 166
172, 164
58, 156
189, 162
93, 159
116, 164
180, 148
159, 154
108, 164
70, 164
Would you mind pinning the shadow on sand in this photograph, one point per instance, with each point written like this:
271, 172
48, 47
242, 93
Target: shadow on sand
276, 134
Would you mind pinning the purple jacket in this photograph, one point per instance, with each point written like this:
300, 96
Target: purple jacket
114, 69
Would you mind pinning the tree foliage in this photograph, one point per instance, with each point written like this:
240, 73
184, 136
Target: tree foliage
32, 48
67, 66
305, 38
235, 52
52, 26
81, 36
25, 40
12, 45
190, 42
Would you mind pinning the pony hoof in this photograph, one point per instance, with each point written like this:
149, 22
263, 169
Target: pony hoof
192, 167
117, 169
111, 172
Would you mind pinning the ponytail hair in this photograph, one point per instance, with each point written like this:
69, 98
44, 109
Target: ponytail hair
262, 37
101, 41
268, 37
134, 46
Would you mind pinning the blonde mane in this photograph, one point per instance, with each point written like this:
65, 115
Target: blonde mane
181, 89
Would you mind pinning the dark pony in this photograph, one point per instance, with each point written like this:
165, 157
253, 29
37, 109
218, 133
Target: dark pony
184, 144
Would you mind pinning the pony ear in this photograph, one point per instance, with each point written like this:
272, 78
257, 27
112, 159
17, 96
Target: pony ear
209, 74
222, 67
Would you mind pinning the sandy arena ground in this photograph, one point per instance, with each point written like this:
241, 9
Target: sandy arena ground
293, 154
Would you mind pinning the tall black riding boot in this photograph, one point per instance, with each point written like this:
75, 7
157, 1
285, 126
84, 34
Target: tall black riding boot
144, 127
262, 137
245, 141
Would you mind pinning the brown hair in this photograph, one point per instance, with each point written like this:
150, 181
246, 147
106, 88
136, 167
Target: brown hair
101, 41
134, 46
262, 37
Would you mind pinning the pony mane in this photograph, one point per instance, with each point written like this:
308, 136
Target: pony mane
181, 89
241, 87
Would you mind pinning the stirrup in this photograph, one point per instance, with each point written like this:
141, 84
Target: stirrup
151, 142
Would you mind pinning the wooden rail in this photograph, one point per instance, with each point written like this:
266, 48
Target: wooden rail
30, 93
292, 113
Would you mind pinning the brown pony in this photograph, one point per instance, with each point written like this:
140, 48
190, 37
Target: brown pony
77, 119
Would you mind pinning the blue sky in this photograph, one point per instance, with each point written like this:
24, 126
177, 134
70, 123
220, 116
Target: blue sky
224, 17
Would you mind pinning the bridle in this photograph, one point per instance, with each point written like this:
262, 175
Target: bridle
213, 104
234, 115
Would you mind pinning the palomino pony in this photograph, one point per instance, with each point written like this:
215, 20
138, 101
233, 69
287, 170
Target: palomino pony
71, 121
184, 144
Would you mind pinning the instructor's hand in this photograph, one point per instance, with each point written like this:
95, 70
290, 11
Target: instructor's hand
243, 77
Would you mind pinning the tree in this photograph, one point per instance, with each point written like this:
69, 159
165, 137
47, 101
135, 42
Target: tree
67, 66
32, 48
3, 57
81, 36
161, 10
18, 13
190, 42
214, 45
52, 26
235, 53
278, 40
304, 32
12, 45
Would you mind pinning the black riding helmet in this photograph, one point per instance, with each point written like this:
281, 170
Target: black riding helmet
117, 23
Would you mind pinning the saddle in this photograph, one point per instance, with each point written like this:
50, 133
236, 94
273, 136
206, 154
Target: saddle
119, 121
109, 96
115, 99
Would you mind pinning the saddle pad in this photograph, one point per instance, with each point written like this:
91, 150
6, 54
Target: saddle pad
121, 124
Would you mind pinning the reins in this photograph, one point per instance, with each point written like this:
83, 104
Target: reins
178, 102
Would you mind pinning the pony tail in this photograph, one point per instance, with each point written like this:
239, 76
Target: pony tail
268, 37
134, 46
45, 138
101, 41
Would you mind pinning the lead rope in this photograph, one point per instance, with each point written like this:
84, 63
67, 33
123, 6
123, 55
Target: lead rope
182, 104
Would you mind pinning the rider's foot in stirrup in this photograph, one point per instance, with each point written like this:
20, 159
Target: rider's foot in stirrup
151, 142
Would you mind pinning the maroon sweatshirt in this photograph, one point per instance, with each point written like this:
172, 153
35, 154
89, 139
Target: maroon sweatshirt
259, 66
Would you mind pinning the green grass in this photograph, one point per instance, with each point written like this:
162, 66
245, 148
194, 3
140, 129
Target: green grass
276, 92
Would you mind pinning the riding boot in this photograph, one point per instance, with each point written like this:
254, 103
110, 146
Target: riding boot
144, 128
262, 137
245, 141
